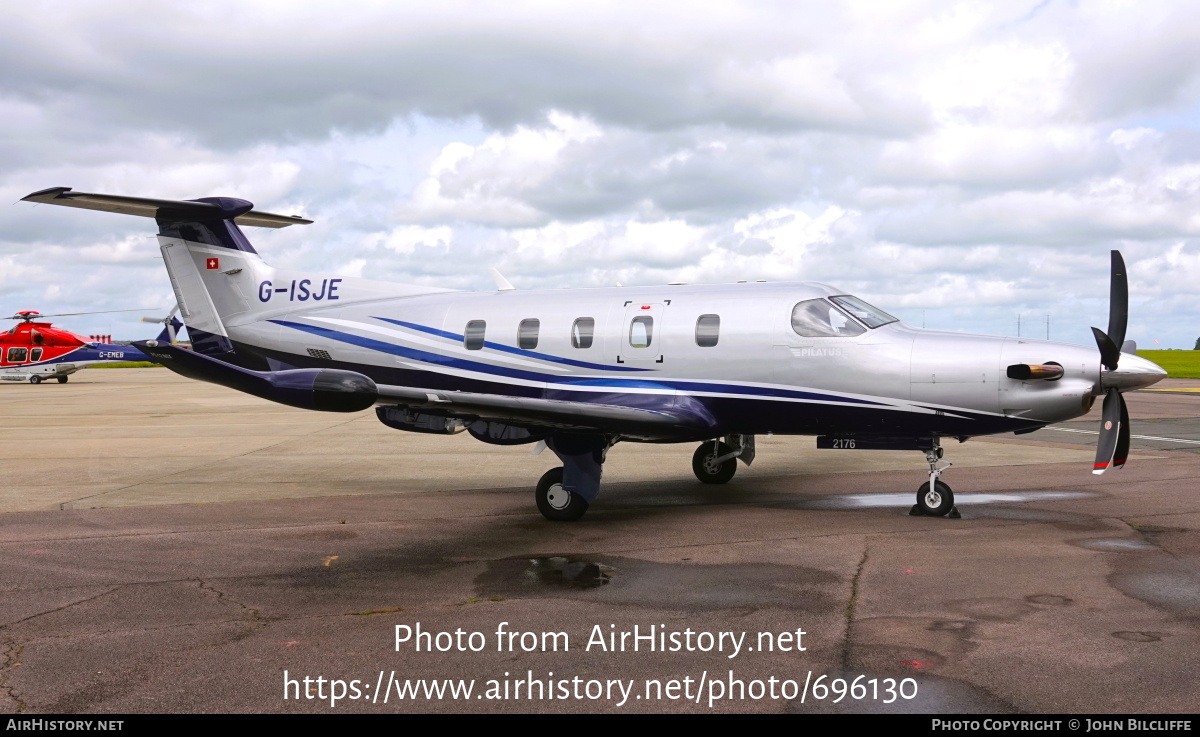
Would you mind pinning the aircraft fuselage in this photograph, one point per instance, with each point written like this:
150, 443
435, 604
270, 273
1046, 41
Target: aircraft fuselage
733, 347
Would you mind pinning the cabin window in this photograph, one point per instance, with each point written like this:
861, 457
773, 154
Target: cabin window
17, 355
582, 331
35, 354
641, 332
527, 333
817, 318
473, 335
708, 329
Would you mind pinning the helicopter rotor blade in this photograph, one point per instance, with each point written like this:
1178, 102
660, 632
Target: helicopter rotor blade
71, 314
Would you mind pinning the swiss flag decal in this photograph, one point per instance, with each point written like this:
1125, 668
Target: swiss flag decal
214, 263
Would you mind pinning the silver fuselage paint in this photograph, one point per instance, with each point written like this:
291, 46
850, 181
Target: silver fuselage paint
768, 376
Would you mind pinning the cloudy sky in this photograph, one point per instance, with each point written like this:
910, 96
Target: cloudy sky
956, 163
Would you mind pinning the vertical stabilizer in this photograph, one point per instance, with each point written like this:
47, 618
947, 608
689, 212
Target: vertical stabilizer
220, 282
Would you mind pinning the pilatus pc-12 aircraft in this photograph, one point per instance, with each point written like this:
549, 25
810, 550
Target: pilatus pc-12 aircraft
581, 370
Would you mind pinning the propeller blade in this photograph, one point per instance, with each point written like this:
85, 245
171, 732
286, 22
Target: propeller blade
1109, 353
1122, 451
151, 319
1118, 301
1110, 430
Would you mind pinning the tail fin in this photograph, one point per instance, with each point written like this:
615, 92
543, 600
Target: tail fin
220, 282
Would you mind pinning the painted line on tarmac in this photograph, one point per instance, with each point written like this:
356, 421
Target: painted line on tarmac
1175, 389
1136, 437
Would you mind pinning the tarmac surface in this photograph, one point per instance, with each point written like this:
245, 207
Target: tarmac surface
172, 546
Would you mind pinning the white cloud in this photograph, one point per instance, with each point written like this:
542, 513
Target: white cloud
970, 159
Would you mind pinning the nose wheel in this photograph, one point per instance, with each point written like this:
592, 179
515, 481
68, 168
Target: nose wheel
936, 501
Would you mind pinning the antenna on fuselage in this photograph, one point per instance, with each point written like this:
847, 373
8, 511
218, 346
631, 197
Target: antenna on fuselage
502, 284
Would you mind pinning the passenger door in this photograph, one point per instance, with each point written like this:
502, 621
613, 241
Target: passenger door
641, 339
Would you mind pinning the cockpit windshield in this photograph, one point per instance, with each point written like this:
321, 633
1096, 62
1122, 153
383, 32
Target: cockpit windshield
870, 316
816, 318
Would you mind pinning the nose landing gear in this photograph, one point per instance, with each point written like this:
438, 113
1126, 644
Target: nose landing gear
935, 498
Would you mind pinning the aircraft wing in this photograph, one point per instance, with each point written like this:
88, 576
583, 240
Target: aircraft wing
664, 415
673, 417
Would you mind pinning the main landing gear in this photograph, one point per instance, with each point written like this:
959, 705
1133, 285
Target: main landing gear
564, 494
715, 462
935, 498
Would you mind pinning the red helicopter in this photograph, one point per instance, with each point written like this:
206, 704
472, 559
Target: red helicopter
35, 351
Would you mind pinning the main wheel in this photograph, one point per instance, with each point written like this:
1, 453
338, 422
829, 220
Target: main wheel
556, 503
63, 379
35, 379
936, 503
706, 468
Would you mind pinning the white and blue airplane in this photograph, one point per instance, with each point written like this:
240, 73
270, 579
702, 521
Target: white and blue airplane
581, 370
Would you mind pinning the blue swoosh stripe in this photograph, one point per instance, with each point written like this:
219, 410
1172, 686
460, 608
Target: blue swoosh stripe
418, 355
754, 391
458, 363
509, 349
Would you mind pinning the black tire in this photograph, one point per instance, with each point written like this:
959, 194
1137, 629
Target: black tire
937, 504
63, 379
706, 471
35, 379
551, 501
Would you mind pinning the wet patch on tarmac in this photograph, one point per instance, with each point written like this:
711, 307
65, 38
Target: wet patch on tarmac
905, 500
1171, 587
561, 570
1115, 545
743, 587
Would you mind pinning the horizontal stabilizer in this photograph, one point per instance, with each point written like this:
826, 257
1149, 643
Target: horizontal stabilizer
207, 208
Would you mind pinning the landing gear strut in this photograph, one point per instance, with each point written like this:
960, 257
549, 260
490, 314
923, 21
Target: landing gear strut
935, 498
